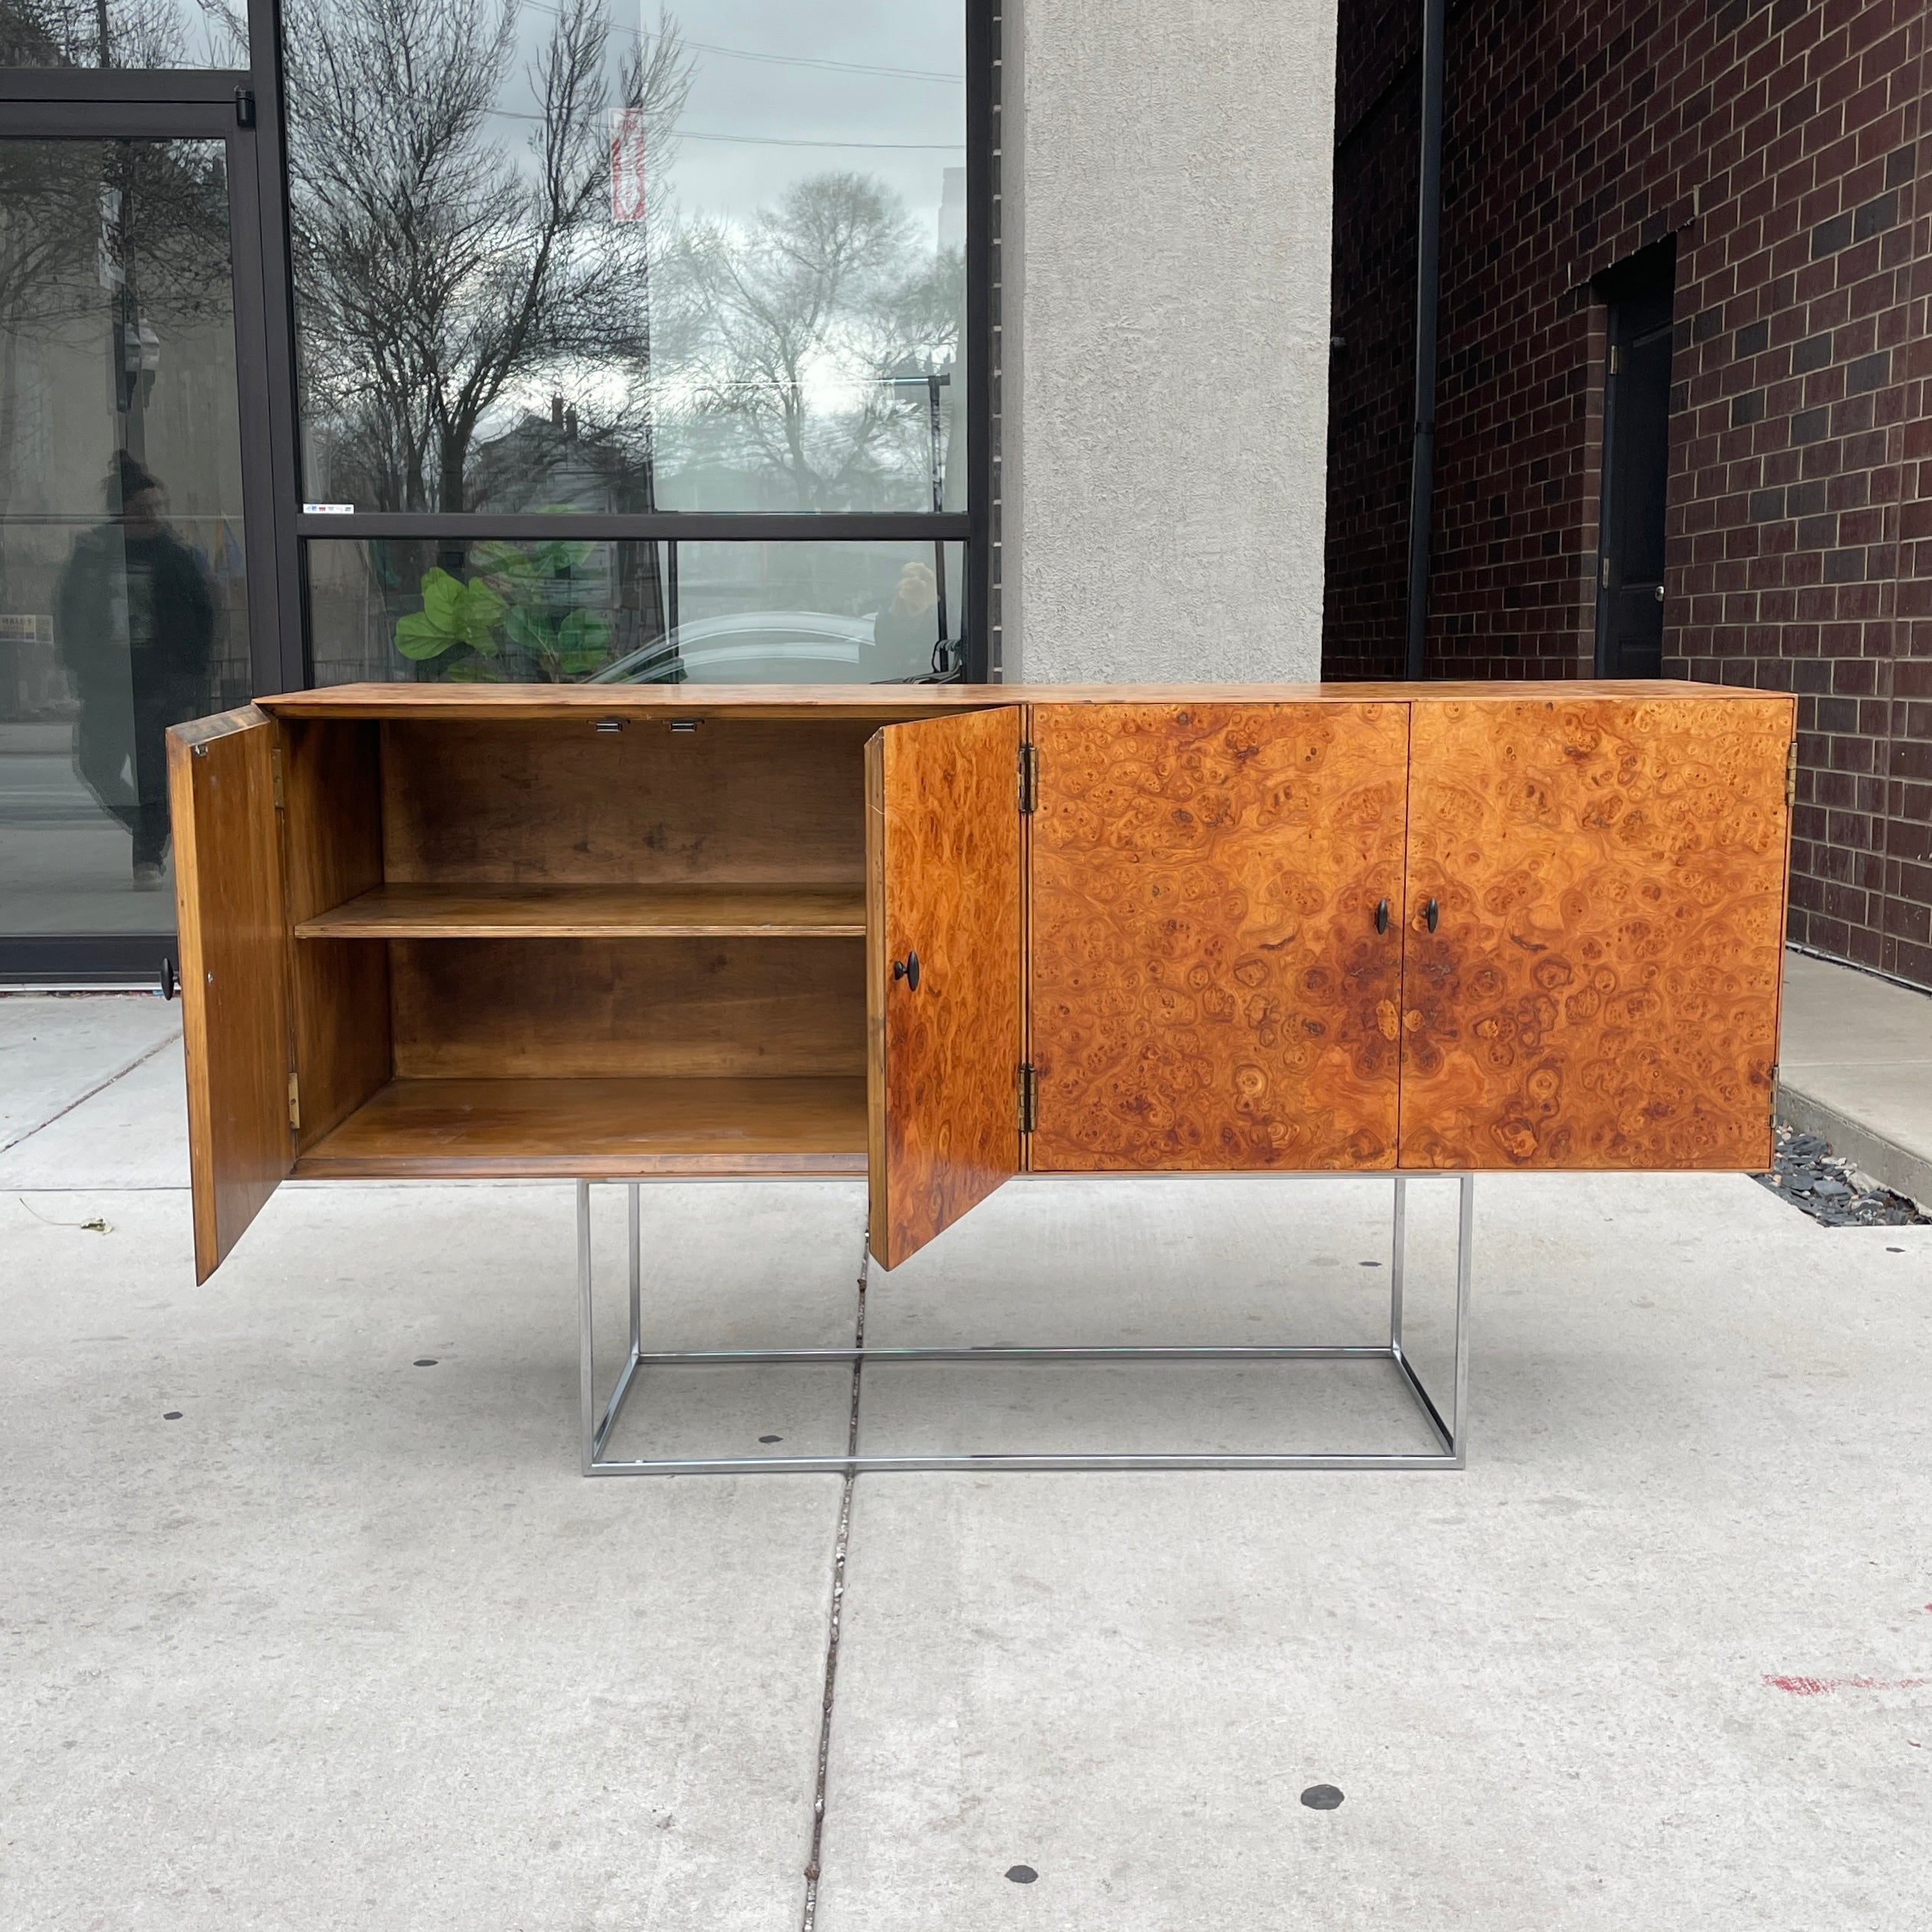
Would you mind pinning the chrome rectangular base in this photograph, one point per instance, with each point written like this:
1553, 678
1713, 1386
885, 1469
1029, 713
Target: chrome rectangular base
1450, 1433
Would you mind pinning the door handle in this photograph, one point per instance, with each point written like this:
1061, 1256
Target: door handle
1381, 916
908, 970
1429, 913
170, 985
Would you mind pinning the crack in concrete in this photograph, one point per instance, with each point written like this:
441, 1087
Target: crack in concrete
840, 1543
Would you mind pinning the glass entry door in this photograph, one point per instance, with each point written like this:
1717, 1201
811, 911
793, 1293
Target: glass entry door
124, 595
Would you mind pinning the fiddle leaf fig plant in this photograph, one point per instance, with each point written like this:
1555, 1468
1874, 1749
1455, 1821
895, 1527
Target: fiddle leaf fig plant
522, 615
453, 613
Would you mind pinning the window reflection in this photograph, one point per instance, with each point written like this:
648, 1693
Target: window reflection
123, 594
489, 612
566, 257
123, 34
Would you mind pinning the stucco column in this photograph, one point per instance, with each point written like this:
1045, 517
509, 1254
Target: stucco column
1166, 181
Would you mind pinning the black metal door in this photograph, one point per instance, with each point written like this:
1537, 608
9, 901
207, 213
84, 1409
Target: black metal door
1637, 468
136, 589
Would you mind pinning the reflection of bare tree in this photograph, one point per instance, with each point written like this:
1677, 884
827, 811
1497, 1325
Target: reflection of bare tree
136, 230
786, 329
119, 33
436, 276
71, 211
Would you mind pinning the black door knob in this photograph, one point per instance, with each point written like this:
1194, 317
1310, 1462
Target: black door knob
1381, 916
908, 970
1428, 912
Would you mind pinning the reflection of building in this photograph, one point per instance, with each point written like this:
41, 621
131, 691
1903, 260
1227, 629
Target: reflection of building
546, 462
952, 210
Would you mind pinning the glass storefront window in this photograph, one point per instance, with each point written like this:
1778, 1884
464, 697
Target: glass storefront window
571, 256
123, 604
439, 611
123, 34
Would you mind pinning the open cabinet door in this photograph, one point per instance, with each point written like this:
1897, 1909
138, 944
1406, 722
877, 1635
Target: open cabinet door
234, 955
942, 971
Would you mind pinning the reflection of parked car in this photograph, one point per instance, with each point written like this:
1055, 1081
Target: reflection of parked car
764, 646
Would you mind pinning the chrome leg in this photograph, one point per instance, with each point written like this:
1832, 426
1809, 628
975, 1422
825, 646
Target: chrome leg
1398, 1253
637, 1274
1465, 1242
597, 1427
587, 1359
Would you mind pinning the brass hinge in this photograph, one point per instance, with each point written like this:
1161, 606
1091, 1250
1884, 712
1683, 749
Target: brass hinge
1029, 777
1616, 360
295, 1103
1603, 574
275, 777
1773, 1094
1791, 775
1029, 1098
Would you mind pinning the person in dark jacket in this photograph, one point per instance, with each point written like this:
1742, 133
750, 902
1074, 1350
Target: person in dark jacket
134, 624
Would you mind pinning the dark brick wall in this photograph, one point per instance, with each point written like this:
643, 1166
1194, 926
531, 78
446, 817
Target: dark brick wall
1779, 141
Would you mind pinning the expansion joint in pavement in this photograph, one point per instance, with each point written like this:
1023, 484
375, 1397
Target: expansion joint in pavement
840, 1541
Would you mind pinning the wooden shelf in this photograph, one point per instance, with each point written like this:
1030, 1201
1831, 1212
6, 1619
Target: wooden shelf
500, 1129
538, 911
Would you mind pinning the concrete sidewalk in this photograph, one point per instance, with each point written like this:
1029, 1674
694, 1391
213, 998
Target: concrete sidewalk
307, 1619
1856, 1068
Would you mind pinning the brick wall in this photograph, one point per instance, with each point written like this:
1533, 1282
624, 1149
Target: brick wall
1779, 141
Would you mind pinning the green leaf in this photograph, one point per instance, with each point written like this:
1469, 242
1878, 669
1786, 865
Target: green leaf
419, 637
442, 601
579, 663
584, 631
560, 556
482, 610
529, 628
511, 567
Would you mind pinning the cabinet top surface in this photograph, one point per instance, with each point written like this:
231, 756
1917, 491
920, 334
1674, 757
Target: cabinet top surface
894, 702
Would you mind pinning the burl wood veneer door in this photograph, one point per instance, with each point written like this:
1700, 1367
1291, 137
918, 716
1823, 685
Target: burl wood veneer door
1210, 987
234, 964
942, 971
1601, 986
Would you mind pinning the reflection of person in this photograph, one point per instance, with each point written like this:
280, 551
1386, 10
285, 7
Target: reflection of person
134, 624
906, 631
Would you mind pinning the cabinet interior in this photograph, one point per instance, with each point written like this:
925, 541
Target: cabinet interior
528, 945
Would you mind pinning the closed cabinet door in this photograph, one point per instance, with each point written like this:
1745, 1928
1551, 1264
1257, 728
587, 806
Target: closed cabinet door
1215, 940
1593, 933
943, 906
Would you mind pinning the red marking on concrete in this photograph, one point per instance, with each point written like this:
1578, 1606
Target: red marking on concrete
1819, 1686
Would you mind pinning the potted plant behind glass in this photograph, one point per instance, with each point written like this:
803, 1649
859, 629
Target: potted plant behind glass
522, 618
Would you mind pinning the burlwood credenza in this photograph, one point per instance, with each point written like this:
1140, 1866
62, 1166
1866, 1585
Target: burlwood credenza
939, 936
